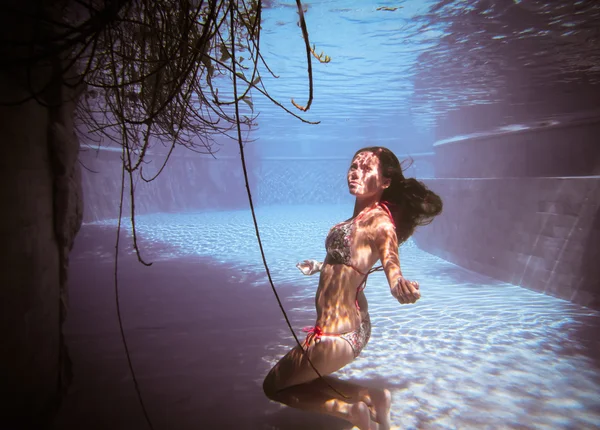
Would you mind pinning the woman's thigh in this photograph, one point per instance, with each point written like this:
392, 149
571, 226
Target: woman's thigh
327, 356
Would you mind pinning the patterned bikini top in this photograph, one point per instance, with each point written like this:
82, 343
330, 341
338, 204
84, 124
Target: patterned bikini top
339, 240
338, 243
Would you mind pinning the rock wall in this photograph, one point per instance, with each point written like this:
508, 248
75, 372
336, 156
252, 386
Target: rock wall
539, 233
40, 188
42, 207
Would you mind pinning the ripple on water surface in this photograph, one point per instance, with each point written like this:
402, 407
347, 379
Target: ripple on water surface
472, 353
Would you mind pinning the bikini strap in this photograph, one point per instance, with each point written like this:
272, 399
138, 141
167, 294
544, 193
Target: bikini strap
384, 205
363, 284
357, 270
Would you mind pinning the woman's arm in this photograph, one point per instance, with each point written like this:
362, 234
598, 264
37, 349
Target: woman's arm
386, 240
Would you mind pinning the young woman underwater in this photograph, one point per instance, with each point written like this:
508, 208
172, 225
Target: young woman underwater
387, 210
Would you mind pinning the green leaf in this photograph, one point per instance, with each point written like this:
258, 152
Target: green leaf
249, 103
224, 53
207, 64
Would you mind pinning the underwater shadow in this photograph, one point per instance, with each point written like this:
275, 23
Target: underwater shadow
586, 328
584, 333
195, 329
200, 334
97, 242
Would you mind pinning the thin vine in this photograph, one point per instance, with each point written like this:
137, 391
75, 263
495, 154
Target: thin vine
151, 73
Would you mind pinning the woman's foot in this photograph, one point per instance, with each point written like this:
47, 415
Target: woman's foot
379, 403
360, 416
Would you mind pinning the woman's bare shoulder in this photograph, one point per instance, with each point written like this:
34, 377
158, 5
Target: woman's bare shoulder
378, 221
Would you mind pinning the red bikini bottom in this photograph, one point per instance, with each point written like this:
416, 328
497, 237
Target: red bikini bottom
357, 339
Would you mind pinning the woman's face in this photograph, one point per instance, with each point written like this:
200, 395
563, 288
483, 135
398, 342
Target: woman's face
364, 176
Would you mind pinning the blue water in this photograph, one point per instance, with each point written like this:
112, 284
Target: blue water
472, 353
395, 74
364, 94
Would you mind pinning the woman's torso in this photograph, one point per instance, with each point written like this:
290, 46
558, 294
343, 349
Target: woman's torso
351, 252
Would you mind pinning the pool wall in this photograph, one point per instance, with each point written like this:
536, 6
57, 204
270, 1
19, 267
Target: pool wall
522, 205
555, 147
189, 182
311, 180
194, 182
540, 233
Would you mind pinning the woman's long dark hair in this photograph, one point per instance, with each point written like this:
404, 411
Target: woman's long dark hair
411, 203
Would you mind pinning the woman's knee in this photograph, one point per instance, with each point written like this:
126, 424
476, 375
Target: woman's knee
274, 383
269, 386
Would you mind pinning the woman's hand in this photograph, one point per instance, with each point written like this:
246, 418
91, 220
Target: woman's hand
406, 291
309, 267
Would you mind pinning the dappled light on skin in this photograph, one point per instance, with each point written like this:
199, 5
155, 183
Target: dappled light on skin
365, 180
343, 326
